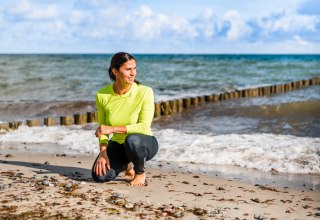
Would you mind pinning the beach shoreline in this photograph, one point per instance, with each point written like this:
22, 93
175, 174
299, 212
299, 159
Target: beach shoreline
58, 185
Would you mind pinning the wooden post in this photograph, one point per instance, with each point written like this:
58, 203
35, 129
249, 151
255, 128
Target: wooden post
216, 98
49, 121
15, 124
80, 119
92, 117
279, 89
157, 110
179, 105
202, 99
194, 101
33, 123
165, 108
173, 106
266, 90
186, 102
306, 82
255, 92
66, 120
4, 126
260, 91
245, 93
287, 87
312, 82
209, 98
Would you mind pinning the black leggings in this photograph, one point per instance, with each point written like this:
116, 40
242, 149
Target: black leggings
137, 148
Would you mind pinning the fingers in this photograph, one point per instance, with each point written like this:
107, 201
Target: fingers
97, 170
103, 169
98, 132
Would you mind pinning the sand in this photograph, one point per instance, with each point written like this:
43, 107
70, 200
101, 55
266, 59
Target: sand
54, 186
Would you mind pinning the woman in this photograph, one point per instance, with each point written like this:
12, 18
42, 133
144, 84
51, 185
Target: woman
125, 110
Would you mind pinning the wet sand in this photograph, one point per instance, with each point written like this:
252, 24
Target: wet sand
55, 186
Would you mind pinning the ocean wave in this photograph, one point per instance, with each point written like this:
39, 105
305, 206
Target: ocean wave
260, 151
264, 152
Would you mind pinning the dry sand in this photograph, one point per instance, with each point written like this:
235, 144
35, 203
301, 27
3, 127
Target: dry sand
50, 186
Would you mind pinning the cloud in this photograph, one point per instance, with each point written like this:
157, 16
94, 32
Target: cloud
112, 24
238, 26
24, 9
282, 26
300, 41
310, 7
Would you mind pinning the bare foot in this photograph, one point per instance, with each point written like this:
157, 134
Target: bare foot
129, 174
139, 180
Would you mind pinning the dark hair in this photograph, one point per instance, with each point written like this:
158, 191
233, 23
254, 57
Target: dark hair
117, 61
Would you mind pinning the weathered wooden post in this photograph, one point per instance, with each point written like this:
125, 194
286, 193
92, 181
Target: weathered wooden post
4, 126
66, 120
15, 124
179, 105
33, 123
92, 117
186, 102
50, 121
173, 106
165, 108
80, 119
157, 110
194, 101
201, 99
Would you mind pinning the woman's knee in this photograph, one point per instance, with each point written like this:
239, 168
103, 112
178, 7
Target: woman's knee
133, 141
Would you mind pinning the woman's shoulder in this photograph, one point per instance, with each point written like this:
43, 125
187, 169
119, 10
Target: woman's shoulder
143, 88
105, 90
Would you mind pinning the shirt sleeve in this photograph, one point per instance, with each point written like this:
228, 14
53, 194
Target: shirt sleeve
101, 120
145, 116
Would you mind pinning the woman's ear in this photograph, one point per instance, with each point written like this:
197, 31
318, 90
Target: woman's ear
114, 71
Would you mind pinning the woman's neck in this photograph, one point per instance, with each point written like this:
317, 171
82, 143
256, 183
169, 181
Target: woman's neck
121, 89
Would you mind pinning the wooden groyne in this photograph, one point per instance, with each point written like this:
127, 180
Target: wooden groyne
170, 107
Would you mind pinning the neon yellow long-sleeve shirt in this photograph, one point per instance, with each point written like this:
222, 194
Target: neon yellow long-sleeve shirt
135, 110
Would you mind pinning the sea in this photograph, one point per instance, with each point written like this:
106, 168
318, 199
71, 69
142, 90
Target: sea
275, 139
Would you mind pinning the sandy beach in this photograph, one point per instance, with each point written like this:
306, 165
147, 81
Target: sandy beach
59, 186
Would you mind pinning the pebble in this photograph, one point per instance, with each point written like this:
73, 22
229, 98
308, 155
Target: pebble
68, 185
3, 186
259, 217
45, 182
120, 202
117, 195
255, 200
129, 206
178, 214
54, 178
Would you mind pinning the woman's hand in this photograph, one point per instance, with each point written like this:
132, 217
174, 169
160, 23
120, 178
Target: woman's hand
104, 129
102, 163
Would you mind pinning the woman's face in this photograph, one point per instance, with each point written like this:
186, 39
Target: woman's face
127, 73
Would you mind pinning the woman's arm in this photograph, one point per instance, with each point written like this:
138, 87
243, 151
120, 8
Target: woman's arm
103, 138
145, 116
106, 130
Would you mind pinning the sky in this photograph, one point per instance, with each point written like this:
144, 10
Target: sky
160, 26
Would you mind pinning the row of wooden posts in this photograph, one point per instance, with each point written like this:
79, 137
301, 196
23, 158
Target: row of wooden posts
173, 106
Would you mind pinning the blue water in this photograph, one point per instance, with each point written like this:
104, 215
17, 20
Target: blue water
77, 77
279, 132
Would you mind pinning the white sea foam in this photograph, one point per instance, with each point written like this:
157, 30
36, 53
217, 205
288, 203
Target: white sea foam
284, 153
74, 137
